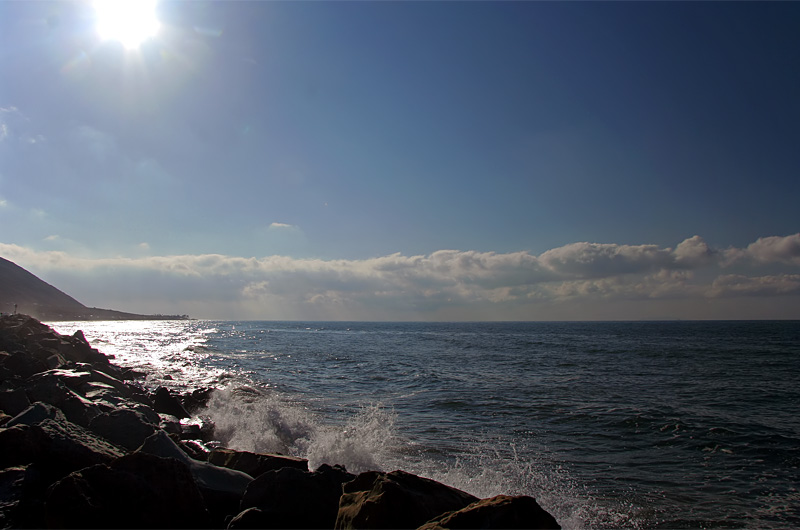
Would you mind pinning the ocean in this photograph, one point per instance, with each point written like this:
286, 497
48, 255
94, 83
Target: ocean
607, 424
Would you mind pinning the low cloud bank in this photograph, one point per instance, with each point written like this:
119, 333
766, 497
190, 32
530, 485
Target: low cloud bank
579, 280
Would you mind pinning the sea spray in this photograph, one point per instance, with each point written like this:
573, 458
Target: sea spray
261, 421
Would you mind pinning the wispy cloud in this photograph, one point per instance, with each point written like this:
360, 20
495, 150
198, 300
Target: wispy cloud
443, 284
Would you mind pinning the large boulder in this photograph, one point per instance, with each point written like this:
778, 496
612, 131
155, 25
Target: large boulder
19, 364
165, 403
56, 446
396, 500
124, 427
254, 464
502, 511
293, 498
49, 387
222, 488
135, 491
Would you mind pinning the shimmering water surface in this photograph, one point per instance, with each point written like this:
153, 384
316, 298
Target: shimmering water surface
624, 424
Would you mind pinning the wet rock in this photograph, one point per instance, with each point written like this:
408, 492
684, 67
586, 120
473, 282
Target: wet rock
196, 400
396, 500
170, 424
502, 511
165, 403
254, 464
222, 488
124, 427
195, 449
293, 498
135, 491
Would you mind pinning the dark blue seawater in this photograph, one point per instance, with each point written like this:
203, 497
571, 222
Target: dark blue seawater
608, 425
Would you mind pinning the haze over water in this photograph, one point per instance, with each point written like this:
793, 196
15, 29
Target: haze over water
623, 424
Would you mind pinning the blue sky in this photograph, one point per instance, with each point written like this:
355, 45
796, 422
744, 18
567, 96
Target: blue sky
408, 160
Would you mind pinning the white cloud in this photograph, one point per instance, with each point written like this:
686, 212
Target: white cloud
279, 226
774, 249
738, 285
14, 125
447, 284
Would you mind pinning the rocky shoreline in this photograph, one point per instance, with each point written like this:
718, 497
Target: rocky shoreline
83, 444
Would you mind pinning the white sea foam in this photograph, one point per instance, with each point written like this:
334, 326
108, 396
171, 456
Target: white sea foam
254, 420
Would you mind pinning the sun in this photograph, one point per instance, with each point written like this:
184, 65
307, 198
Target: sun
131, 22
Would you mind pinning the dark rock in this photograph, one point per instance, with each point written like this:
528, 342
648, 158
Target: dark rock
23, 365
170, 424
49, 387
396, 500
35, 414
222, 488
14, 401
21, 445
135, 491
195, 449
102, 394
196, 400
71, 378
254, 464
165, 403
102, 377
124, 427
292, 498
59, 446
502, 511
21, 498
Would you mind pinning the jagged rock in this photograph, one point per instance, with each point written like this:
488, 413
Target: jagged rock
49, 387
72, 379
135, 491
124, 427
149, 414
22, 365
35, 414
170, 424
196, 400
502, 511
58, 447
254, 464
14, 401
221, 488
293, 498
165, 403
102, 394
195, 449
396, 500
102, 377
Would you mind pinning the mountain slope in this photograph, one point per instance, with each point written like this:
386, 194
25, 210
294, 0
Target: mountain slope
41, 300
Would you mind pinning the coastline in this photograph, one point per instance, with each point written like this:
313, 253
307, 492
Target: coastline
74, 423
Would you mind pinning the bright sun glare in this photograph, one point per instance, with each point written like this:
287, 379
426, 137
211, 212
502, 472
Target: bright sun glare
131, 22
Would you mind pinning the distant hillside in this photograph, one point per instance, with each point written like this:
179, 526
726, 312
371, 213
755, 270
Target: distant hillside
41, 300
